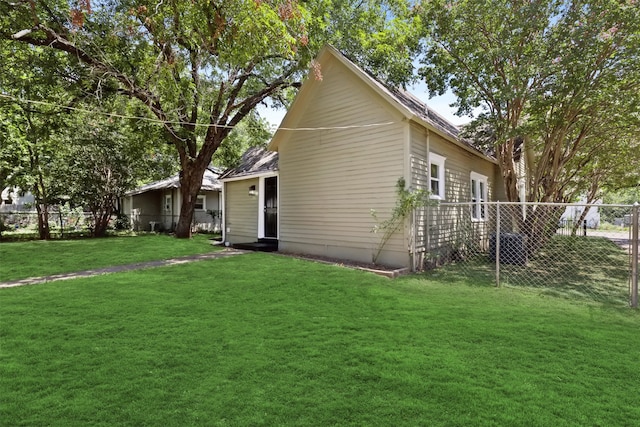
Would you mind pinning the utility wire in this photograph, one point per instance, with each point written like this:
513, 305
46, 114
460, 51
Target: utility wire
161, 122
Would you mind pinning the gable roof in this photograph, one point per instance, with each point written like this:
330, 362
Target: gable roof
255, 161
406, 103
210, 182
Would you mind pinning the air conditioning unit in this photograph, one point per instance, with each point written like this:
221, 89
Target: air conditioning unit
513, 248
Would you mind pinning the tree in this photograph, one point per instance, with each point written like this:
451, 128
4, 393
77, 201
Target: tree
547, 73
97, 166
550, 73
251, 132
30, 139
202, 66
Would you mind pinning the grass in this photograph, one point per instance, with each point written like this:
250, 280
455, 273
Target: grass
266, 340
20, 260
576, 268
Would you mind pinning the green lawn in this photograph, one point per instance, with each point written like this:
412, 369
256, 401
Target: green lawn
19, 260
576, 268
262, 339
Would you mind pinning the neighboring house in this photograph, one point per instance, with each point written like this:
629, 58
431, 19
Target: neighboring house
573, 213
14, 200
156, 206
343, 145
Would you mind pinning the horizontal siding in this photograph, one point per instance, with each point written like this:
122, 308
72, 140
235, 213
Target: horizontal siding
241, 212
211, 204
332, 179
149, 203
419, 179
458, 167
432, 226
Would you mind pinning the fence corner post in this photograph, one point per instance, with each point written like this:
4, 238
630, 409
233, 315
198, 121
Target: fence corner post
634, 253
498, 244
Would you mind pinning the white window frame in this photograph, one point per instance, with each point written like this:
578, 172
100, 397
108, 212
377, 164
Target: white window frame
479, 196
204, 202
437, 160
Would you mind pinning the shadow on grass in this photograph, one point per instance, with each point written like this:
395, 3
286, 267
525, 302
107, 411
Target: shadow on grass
578, 268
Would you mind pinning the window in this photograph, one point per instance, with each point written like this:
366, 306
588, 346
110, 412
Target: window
436, 176
201, 202
167, 203
478, 196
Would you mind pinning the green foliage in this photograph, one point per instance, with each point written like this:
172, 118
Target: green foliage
251, 132
407, 202
562, 76
200, 67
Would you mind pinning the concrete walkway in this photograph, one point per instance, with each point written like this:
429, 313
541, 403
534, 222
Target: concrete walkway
120, 268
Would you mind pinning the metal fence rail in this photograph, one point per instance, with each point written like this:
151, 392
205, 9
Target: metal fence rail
572, 250
64, 223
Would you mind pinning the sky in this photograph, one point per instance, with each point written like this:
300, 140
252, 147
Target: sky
440, 104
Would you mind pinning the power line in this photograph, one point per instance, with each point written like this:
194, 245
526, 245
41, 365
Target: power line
165, 122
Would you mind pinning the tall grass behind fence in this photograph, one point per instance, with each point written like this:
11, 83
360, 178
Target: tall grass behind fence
571, 250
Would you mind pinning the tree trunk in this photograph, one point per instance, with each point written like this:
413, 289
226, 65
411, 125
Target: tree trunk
190, 183
101, 222
43, 221
508, 170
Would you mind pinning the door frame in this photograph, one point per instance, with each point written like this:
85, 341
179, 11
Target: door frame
261, 202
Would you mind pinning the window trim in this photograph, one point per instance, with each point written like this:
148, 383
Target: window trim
477, 182
204, 202
439, 161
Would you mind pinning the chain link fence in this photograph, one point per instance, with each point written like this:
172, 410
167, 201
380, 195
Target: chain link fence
571, 250
63, 223
66, 223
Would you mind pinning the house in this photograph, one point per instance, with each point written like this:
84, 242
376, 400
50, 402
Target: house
573, 213
343, 145
13, 199
250, 198
156, 206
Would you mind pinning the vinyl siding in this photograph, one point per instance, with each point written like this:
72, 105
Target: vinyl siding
330, 180
202, 218
434, 226
241, 210
458, 167
419, 180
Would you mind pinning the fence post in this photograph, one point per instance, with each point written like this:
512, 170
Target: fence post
61, 223
634, 254
498, 244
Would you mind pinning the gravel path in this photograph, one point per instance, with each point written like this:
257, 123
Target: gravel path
119, 268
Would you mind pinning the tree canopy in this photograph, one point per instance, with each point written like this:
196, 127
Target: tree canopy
564, 76
202, 66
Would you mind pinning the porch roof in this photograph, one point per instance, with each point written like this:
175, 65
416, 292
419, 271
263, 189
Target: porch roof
210, 182
254, 161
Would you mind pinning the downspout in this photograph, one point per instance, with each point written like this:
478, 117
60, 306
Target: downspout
223, 214
427, 219
219, 209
